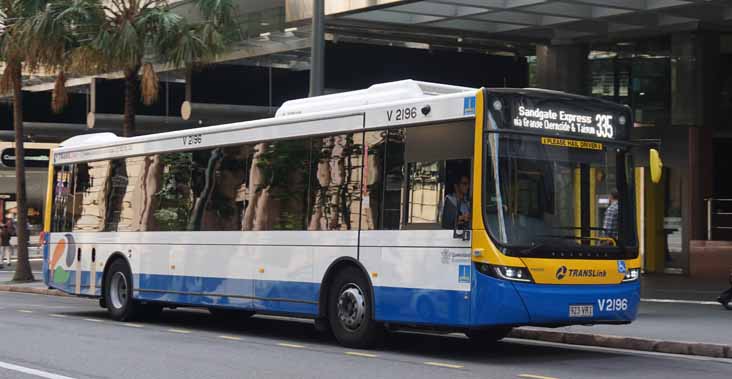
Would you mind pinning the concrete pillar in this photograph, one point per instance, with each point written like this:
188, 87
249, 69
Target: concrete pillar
695, 105
563, 68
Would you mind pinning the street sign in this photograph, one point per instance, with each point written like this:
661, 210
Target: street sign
33, 157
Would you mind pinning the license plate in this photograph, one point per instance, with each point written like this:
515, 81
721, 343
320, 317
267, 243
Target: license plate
581, 310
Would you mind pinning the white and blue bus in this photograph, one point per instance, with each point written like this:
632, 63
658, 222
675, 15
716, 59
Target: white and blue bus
406, 203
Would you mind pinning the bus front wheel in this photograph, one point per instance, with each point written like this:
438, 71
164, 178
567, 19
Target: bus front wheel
350, 308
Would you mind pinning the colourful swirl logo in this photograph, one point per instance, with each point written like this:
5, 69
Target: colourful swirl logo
59, 273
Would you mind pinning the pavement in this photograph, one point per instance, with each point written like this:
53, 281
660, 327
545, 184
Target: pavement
677, 315
68, 337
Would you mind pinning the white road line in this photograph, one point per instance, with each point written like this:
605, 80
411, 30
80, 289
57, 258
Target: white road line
181, 331
58, 315
673, 301
292, 345
93, 320
24, 311
131, 325
32, 371
360, 354
531, 376
232, 338
441, 364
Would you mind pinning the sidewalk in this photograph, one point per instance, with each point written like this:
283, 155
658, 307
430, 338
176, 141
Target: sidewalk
676, 315
677, 287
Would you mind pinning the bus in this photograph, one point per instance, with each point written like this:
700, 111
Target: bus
406, 204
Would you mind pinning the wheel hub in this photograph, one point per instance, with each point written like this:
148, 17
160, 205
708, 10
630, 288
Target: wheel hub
118, 290
351, 307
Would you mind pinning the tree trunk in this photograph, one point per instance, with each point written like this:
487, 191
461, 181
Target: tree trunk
131, 76
22, 269
189, 83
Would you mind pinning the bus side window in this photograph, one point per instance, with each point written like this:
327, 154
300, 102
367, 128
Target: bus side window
277, 192
335, 182
438, 159
425, 191
63, 199
383, 177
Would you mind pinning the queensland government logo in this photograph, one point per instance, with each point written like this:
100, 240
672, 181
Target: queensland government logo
563, 271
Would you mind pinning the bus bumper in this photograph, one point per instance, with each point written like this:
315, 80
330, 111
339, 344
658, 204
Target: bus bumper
500, 302
550, 304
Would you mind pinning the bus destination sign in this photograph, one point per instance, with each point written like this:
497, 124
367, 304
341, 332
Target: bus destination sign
598, 125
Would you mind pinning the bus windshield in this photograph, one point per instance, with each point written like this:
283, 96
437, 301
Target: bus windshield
549, 192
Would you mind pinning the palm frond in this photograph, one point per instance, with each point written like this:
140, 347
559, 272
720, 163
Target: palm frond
8, 77
218, 12
150, 84
59, 96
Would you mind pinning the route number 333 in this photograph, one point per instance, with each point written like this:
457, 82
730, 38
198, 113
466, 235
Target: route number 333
604, 128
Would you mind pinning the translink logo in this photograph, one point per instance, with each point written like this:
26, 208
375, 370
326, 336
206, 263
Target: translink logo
563, 271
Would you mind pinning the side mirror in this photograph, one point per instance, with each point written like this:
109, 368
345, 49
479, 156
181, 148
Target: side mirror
461, 231
656, 165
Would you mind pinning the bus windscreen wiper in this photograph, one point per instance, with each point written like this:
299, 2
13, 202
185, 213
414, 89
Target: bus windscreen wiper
544, 243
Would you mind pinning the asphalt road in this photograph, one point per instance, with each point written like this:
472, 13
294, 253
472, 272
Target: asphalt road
72, 337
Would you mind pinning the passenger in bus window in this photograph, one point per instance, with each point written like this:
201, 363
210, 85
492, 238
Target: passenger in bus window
610, 224
456, 207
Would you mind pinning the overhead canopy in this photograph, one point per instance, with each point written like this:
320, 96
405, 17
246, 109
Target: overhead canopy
538, 20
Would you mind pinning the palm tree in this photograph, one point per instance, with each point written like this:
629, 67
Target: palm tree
126, 31
12, 13
193, 45
57, 38
127, 36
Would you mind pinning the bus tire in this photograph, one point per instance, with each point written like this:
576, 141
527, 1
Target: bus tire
488, 336
118, 292
350, 309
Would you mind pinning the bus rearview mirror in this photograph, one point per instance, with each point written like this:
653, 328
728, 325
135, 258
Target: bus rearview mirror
656, 165
461, 232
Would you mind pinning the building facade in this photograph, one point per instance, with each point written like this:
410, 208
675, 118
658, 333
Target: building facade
667, 59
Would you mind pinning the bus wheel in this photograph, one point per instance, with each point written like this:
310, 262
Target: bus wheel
118, 291
350, 309
488, 336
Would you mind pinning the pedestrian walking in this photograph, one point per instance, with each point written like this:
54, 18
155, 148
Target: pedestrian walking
726, 296
4, 243
5, 248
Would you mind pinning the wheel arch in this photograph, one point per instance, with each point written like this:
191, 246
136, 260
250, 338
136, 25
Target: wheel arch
331, 272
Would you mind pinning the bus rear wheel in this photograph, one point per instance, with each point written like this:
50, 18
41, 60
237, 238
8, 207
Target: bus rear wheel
118, 291
350, 308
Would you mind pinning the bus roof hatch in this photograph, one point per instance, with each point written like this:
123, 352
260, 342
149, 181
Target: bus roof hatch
376, 94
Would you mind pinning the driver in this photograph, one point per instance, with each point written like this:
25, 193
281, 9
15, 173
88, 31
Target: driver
456, 207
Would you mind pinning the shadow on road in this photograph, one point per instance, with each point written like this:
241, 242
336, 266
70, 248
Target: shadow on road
429, 346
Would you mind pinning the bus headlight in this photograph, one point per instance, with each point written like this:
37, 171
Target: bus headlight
516, 274
631, 275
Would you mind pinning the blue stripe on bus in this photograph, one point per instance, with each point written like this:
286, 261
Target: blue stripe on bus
496, 302
269, 295
422, 306
69, 285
